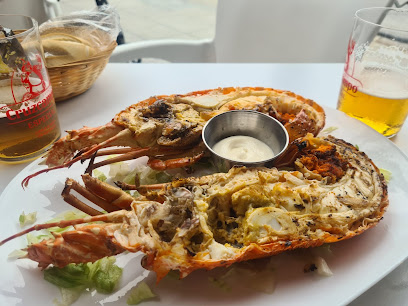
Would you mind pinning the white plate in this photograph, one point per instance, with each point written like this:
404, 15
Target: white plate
357, 263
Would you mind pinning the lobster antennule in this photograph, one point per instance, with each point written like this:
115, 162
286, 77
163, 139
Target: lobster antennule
60, 224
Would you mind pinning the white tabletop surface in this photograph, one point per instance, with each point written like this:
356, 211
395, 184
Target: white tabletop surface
121, 85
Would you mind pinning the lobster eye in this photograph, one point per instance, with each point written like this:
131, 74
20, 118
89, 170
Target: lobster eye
302, 145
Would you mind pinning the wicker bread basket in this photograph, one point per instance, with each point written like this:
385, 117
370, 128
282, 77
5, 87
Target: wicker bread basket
75, 78
72, 79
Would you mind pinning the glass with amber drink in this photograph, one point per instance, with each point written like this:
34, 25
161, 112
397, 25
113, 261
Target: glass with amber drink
375, 79
28, 116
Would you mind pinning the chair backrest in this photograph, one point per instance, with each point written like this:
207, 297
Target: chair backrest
40, 10
286, 30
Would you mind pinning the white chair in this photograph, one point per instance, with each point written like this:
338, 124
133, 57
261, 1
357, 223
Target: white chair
52, 8
263, 31
40, 10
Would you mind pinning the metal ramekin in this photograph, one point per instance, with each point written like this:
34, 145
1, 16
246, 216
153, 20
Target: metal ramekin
245, 123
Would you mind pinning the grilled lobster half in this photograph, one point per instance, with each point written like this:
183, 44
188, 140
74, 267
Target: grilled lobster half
328, 192
168, 129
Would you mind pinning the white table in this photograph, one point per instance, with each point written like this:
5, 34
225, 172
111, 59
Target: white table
121, 85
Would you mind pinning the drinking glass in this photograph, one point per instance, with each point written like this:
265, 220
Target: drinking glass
28, 116
375, 80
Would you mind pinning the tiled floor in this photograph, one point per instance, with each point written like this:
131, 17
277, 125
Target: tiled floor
158, 19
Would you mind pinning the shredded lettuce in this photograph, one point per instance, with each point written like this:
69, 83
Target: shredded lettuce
47, 233
68, 296
264, 281
387, 174
132, 178
203, 167
173, 274
104, 274
17, 254
99, 175
149, 176
73, 279
70, 276
118, 171
319, 265
258, 280
32, 239
323, 251
163, 177
258, 275
69, 215
322, 267
140, 293
27, 219
220, 283
142, 174
329, 129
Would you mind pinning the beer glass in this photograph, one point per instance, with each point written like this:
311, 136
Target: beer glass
375, 79
28, 116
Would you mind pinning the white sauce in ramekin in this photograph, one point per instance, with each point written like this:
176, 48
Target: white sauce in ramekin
243, 149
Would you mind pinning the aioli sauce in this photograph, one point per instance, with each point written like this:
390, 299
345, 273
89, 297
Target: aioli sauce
243, 149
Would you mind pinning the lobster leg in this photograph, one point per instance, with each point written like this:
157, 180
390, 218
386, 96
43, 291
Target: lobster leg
140, 188
114, 196
158, 164
113, 151
75, 202
102, 194
131, 154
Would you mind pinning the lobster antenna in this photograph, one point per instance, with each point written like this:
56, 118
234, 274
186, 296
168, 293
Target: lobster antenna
60, 224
